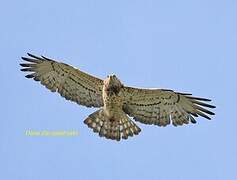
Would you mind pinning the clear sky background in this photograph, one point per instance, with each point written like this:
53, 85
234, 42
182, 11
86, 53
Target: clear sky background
187, 46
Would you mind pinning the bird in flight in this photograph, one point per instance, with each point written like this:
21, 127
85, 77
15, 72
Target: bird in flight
116, 102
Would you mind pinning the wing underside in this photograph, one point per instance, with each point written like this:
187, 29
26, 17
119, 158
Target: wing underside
69, 82
162, 107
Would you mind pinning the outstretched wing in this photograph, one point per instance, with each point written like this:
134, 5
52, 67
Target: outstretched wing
68, 81
161, 107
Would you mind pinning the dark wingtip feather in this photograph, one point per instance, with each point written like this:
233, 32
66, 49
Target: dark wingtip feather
207, 117
169, 90
33, 56
24, 58
46, 58
25, 69
30, 60
198, 98
211, 113
185, 94
203, 115
210, 106
192, 119
208, 112
29, 76
204, 104
194, 114
36, 79
24, 65
199, 108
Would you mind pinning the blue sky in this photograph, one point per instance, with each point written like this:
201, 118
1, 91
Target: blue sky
183, 45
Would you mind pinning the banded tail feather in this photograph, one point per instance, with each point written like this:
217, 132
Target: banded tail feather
114, 129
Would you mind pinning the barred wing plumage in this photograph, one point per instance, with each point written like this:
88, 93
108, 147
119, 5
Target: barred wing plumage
161, 107
69, 82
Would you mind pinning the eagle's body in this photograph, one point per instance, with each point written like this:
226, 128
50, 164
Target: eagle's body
116, 101
112, 97
111, 121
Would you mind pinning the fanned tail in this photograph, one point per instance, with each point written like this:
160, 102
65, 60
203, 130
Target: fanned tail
114, 129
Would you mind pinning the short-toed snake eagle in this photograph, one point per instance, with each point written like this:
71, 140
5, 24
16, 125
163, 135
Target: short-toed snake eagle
116, 102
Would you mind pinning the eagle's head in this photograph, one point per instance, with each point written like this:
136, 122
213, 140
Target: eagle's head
112, 84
